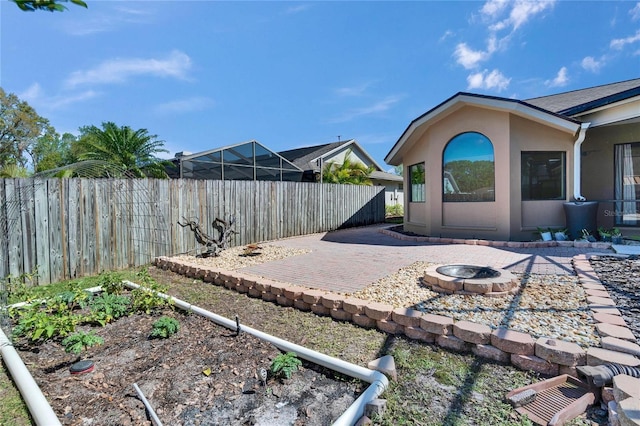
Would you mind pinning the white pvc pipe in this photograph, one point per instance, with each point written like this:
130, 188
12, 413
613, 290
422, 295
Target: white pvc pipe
39, 407
577, 162
378, 381
148, 405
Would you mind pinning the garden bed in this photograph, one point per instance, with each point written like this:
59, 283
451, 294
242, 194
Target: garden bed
204, 374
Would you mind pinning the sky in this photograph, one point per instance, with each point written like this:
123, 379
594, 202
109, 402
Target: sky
206, 74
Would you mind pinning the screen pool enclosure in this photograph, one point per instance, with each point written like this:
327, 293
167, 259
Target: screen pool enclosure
244, 161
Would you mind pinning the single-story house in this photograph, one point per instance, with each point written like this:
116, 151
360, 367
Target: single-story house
495, 168
313, 160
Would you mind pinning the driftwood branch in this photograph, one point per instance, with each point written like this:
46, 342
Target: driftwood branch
213, 245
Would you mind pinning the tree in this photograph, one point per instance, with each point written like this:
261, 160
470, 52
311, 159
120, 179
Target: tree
349, 172
48, 5
52, 151
20, 129
122, 147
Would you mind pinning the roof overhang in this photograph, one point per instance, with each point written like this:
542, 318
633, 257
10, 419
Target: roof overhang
626, 110
460, 100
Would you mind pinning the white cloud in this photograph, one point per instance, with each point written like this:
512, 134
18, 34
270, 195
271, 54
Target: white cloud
358, 90
375, 108
296, 9
447, 34
175, 65
620, 43
560, 80
493, 7
196, 103
33, 93
590, 63
488, 80
62, 101
37, 98
469, 58
635, 12
521, 12
518, 13
99, 23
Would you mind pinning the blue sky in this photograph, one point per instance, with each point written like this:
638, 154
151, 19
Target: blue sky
206, 74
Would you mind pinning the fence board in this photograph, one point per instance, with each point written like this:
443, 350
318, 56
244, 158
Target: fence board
74, 227
4, 233
41, 211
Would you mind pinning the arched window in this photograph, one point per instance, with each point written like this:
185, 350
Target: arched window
468, 169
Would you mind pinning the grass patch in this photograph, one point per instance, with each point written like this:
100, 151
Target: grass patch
14, 411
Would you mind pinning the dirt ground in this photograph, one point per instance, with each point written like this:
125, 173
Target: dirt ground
171, 374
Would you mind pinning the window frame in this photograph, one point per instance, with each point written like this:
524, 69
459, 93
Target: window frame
563, 176
412, 190
447, 197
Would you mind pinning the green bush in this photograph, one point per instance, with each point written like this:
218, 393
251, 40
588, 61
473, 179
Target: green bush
165, 327
80, 341
394, 210
111, 282
108, 307
285, 364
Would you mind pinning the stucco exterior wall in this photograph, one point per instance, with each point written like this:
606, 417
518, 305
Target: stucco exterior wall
508, 217
527, 216
598, 168
488, 220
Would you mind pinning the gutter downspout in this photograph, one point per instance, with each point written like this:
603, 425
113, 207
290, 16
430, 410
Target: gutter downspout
378, 381
577, 162
39, 407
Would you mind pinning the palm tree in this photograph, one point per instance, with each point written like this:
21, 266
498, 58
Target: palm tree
124, 148
349, 172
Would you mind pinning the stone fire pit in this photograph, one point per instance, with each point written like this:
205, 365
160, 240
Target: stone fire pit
471, 279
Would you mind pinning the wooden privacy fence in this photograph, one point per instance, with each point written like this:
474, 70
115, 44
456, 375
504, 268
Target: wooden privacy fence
67, 228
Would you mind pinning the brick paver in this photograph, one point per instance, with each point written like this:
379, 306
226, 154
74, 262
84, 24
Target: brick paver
351, 259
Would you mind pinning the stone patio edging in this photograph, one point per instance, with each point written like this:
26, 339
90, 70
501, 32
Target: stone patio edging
491, 243
544, 355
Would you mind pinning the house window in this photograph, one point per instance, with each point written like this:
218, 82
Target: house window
543, 175
468, 169
417, 192
627, 184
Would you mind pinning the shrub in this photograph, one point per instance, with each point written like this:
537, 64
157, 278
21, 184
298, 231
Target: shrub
111, 282
108, 307
394, 210
80, 341
285, 364
165, 327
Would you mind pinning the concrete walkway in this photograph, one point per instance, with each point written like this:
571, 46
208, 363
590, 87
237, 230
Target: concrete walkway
349, 260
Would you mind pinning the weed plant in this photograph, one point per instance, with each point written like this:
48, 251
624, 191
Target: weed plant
284, 365
80, 341
165, 327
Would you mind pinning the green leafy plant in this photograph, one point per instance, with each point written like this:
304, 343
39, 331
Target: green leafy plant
146, 299
111, 282
394, 210
80, 341
74, 297
285, 364
38, 324
108, 307
165, 327
17, 288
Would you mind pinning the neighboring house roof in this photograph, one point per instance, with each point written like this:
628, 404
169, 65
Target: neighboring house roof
579, 101
377, 175
462, 99
307, 158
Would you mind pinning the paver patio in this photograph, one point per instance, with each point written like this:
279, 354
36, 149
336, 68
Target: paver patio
351, 259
